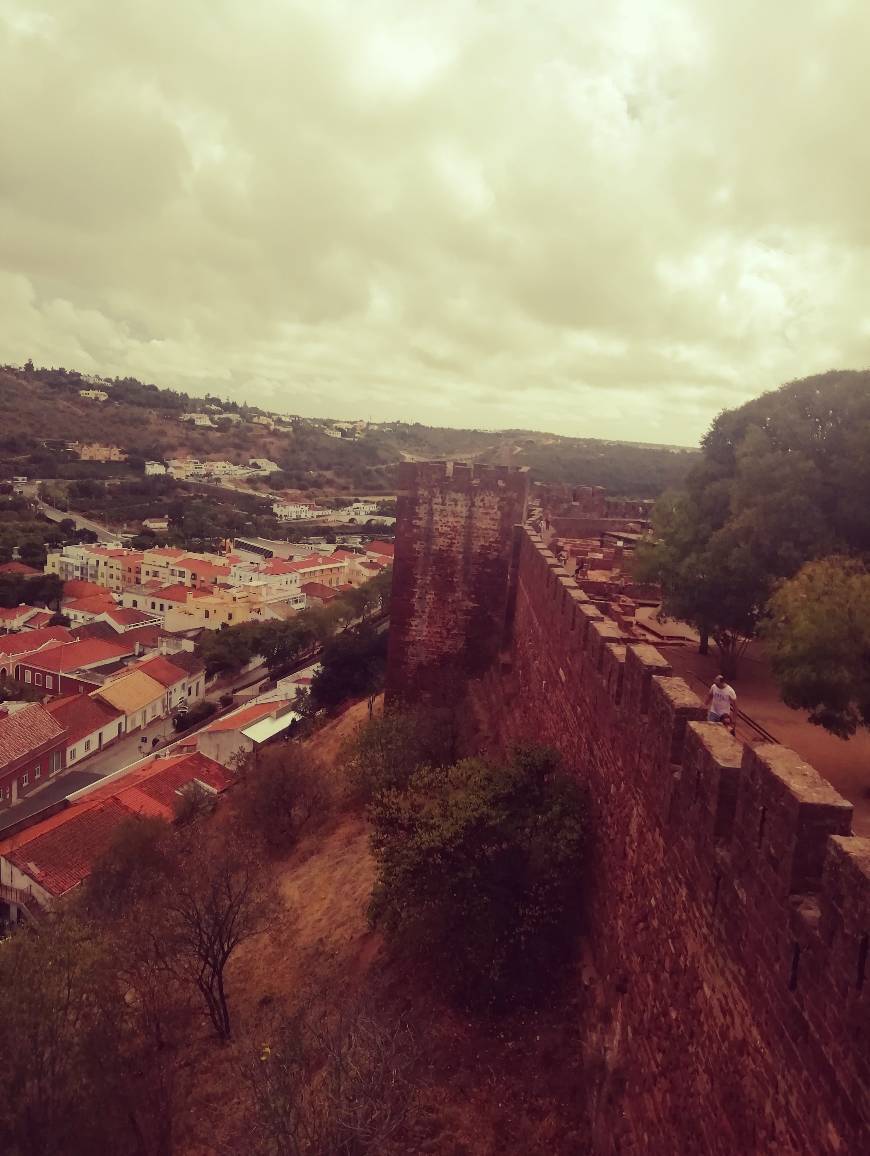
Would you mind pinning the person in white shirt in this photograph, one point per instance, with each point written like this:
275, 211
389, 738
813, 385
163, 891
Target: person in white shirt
721, 703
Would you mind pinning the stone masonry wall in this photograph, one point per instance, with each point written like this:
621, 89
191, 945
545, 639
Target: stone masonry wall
451, 575
730, 906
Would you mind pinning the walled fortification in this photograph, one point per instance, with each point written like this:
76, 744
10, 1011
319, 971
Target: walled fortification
729, 904
451, 574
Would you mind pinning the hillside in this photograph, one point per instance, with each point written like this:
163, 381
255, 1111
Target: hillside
44, 406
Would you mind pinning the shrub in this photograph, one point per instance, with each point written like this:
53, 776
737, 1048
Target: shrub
385, 752
479, 870
280, 794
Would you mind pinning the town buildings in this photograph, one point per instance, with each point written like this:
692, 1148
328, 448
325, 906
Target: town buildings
32, 744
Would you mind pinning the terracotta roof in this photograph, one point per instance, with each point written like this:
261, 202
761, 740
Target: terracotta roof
318, 590
96, 629
59, 853
79, 655
384, 548
127, 616
167, 552
94, 604
202, 567
11, 613
176, 593
32, 640
161, 670
244, 717
82, 715
38, 620
26, 730
79, 588
17, 568
130, 692
148, 637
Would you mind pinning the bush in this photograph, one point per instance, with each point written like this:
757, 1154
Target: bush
280, 794
385, 752
479, 870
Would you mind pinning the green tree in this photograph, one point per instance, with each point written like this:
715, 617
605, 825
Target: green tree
775, 487
479, 870
818, 639
385, 752
351, 666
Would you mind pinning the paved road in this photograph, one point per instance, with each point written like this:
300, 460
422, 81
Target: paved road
103, 532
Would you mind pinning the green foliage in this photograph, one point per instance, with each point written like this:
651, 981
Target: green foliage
479, 870
280, 792
818, 638
34, 589
351, 666
777, 486
386, 751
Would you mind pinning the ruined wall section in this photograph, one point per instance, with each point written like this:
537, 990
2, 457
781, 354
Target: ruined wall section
455, 533
730, 906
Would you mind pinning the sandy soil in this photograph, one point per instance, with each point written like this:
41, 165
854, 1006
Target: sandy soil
514, 1085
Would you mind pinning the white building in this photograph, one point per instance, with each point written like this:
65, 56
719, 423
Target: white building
94, 394
154, 469
291, 511
197, 419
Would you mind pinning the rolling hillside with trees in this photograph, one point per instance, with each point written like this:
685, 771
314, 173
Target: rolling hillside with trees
43, 411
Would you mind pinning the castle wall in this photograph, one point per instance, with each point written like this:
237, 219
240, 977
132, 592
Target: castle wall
451, 575
729, 905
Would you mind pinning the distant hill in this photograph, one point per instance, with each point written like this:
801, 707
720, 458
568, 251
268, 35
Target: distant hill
44, 406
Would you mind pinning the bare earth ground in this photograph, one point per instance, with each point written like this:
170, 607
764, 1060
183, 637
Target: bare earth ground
518, 1084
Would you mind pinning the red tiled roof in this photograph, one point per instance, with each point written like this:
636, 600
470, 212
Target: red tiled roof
384, 548
17, 568
11, 613
38, 620
161, 670
59, 853
168, 552
82, 715
318, 590
148, 637
32, 640
245, 716
79, 588
79, 655
93, 604
176, 593
127, 616
204, 568
24, 731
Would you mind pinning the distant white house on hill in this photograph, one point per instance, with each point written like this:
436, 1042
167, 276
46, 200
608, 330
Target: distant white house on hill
154, 469
94, 394
196, 419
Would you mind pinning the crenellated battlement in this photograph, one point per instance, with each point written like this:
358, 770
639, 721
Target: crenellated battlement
728, 903
727, 873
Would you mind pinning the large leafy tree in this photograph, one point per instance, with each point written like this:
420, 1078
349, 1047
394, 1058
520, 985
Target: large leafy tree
778, 485
818, 637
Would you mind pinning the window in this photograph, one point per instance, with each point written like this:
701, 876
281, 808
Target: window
72, 753
87, 744
56, 761
37, 771
25, 779
49, 682
208, 613
189, 689
135, 602
230, 617
120, 728
28, 677
37, 678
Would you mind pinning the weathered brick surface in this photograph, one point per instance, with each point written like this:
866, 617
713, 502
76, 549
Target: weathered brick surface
729, 906
451, 575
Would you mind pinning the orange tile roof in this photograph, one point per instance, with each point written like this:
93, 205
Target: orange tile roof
175, 593
82, 715
17, 568
79, 588
161, 670
11, 613
79, 655
33, 640
245, 716
26, 730
93, 604
59, 853
385, 548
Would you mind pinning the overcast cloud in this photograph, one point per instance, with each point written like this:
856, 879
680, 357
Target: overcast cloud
610, 219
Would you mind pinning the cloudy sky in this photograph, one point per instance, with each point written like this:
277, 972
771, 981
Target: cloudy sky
610, 219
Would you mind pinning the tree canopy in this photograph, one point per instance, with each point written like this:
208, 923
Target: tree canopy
779, 483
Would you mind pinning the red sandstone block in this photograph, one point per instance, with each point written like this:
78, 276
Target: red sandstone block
844, 900
601, 632
642, 662
613, 670
673, 704
785, 813
711, 773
